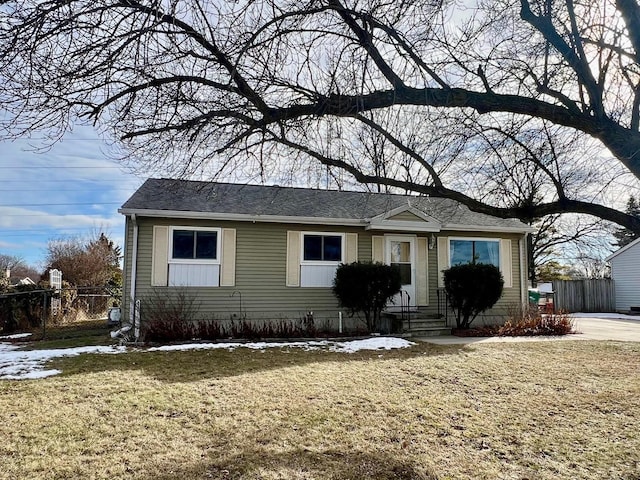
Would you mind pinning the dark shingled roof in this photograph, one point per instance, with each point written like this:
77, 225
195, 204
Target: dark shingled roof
228, 198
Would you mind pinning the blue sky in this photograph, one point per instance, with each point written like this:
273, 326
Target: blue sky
72, 189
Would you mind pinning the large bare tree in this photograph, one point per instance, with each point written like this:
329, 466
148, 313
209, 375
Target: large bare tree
420, 95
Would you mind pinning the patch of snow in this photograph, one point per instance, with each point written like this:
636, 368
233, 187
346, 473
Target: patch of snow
379, 343
15, 335
619, 316
16, 364
351, 346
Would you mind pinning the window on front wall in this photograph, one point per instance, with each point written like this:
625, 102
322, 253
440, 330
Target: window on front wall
474, 251
194, 244
322, 248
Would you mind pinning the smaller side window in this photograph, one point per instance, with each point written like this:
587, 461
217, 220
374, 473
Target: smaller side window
194, 245
323, 248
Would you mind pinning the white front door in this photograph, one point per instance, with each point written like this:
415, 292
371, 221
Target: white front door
400, 252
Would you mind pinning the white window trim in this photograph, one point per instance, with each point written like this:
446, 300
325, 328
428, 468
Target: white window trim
195, 261
323, 262
475, 239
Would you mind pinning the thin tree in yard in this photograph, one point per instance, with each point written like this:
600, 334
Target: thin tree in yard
422, 96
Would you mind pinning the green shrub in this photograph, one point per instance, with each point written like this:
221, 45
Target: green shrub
471, 289
366, 287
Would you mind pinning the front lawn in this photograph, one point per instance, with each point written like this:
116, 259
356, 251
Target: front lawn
543, 410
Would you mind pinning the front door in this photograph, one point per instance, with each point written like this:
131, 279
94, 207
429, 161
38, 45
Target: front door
401, 253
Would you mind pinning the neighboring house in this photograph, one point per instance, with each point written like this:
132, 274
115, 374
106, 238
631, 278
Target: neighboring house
625, 272
17, 281
270, 252
21, 281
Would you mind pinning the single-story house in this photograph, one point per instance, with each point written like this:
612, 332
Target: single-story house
625, 272
271, 252
17, 281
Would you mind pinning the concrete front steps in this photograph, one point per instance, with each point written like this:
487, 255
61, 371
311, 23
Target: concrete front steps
420, 324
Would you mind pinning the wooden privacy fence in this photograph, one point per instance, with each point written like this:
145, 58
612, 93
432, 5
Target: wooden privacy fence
595, 295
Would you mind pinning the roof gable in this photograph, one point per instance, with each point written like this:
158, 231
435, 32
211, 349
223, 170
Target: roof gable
405, 217
628, 246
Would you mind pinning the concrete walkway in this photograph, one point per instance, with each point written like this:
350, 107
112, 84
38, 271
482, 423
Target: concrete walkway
590, 326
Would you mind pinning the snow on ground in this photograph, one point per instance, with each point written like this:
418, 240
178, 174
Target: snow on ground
609, 316
350, 346
16, 364
17, 335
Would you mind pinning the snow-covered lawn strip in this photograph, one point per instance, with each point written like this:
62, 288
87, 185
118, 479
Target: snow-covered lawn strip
15, 336
16, 364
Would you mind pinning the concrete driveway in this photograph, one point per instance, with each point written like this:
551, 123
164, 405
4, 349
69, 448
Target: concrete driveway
590, 326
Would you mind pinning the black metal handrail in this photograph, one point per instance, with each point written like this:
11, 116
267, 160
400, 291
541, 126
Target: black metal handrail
405, 301
443, 304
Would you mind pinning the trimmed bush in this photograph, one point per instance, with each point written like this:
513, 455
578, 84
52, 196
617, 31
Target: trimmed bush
472, 288
367, 288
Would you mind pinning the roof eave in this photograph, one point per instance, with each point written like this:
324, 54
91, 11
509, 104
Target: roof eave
242, 217
397, 225
488, 228
622, 249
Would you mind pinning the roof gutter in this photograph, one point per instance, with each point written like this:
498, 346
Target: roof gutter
488, 228
245, 217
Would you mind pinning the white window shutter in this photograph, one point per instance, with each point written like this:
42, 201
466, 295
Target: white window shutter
506, 266
293, 259
228, 260
160, 256
351, 247
443, 258
377, 249
422, 282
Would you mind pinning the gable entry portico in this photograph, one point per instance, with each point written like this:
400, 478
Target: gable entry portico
406, 250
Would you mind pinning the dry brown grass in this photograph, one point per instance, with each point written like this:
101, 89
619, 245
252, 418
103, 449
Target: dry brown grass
493, 411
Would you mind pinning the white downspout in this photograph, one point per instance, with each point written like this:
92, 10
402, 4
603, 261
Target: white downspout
134, 265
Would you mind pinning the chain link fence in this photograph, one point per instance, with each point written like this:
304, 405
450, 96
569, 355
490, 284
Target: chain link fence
57, 313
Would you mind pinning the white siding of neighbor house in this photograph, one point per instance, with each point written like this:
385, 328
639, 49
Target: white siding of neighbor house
625, 271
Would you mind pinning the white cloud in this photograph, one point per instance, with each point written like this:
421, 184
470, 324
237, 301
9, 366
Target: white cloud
73, 188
